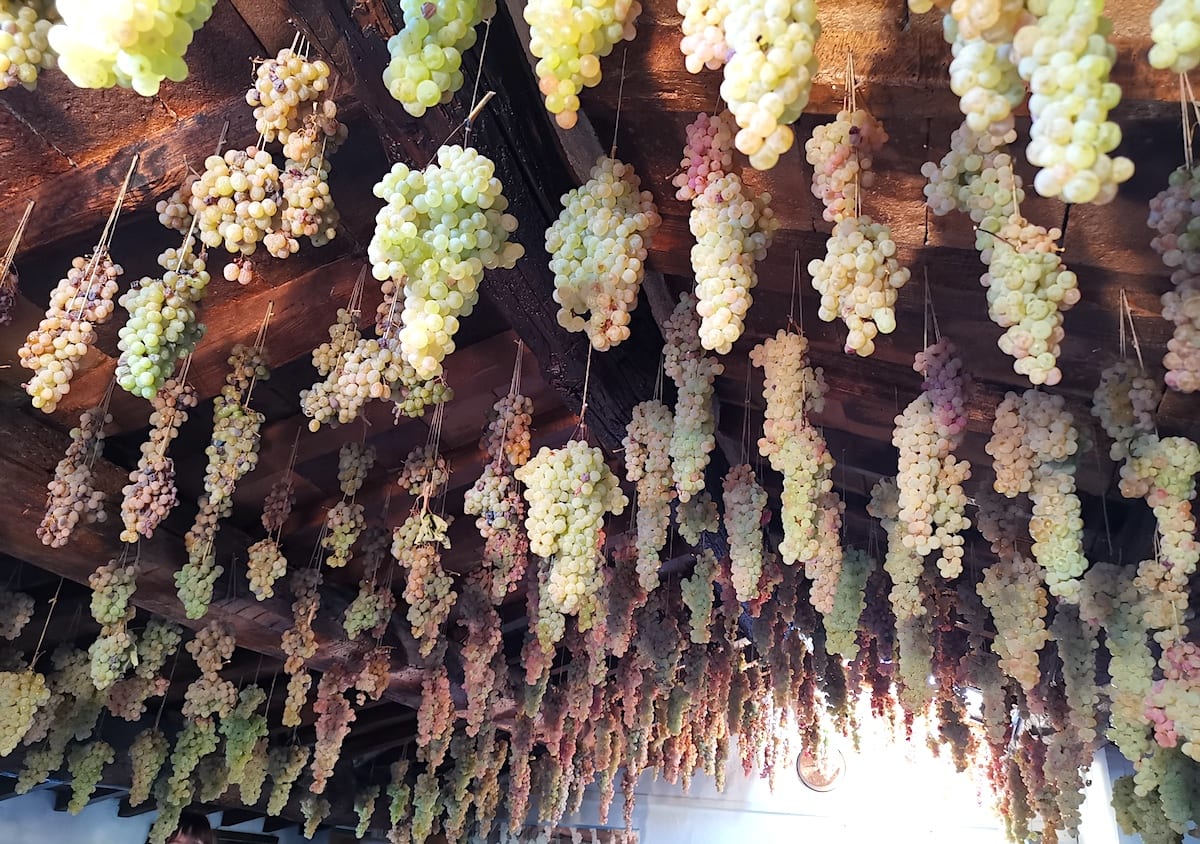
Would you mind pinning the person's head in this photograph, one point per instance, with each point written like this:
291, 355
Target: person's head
193, 829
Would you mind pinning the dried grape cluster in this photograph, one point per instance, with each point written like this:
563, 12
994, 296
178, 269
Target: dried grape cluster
1033, 446
22, 693
86, 765
1066, 58
694, 435
132, 43
315, 811
744, 503
210, 694
842, 154
334, 717
440, 229
285, 766
344, 522
426, 55
299, 642
495, 500
232, 453
1177, 240
648, 463
570, 490
598, 248
16, 610
732, 231
697, 594
78, 304
569, 37
768, 52
70, 495
842, 621
1125, 401
147, 754
930, 480
795, 447
150, 494
163, 324
24, 42
428, 590
266, 562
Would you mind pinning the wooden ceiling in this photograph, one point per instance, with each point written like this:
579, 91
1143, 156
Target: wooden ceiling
68, 149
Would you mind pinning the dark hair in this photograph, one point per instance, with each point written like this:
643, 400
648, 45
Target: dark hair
193, 829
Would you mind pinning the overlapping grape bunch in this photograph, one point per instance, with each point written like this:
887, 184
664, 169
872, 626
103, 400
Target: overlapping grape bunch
24, 42
426, 55
150, 494
70, 495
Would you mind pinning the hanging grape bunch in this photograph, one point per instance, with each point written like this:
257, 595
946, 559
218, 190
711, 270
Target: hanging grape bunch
344, 523
441, 227
1176, 39
21, 694
283, 86
134, 45
232, 453
326, 401
1177, 241
78, 304
24, 42
598, 248
266, 563
374, 603
16, 610
694, 434
569, 37
175, 212
163, 324
570, 490
976, 177
150, 494
235, 201
70, 495
648, 464
744, 503
842, 154
426, 54
768, 53
210, 694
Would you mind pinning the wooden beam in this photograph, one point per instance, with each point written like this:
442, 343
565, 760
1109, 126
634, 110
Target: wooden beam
127, 811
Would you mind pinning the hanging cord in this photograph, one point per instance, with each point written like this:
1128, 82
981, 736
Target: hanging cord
746, 418
796, 307
1127, 316
620, 97
581, 427
37, 651
930, 314
171, 676
13, 244
105, 241
476, 105
260, 342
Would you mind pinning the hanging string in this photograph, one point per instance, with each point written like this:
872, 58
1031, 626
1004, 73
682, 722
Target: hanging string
475, 109
37, 651
1127, 315
171, 676
260, 342
105, 241
797, 302
746, 418
581, 427
620, 97
930, 313
13, 244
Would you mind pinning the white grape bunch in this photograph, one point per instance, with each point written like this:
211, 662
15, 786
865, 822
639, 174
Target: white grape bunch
175, 212
284, 86
242, 728
931, 498
1028, 290
744, 503
694, 434
732, 231
286, 765
150, 494
648, 463
1175, 31
16, 610
598, 248
440, 229
792, 389
696, 517
842, 155
426, 55
841, 622
983, 72
372, 607
1177, 240
976, 177
236, 201
339, 397
697, 594
1125, 401
210, 694
308, 209
1066, 58
163, 324
21, 694
570, 490
24, 41
70, 495
902, 563
86, 765
569, 37
111, 655
132, 43
147, 753
859, 279
1012, 590
113, 584
707, 154
266, 563
78, 304
428, 590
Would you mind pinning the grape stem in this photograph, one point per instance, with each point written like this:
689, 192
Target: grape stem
11, 252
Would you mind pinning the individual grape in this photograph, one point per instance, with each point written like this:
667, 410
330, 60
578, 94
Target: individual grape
426, 54
570, 490
286, 764
858, 280
132, 44
707, 155
697, 594
694, 434
569, 37
282, 86
163, 324
598, 247
1066, 58
78, 304
1125, 402
428, 590
648, 463
732, 232
21, 694
744, 503
842, 154
791, 442
441, 227
16, 610
841, 623
150, 494
24, 44
147, 753
932, 501
315, 810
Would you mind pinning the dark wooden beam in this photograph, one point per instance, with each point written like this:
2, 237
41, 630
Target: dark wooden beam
127, 811
277, 824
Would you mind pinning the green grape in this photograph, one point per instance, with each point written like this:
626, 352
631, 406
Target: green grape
21, 693
86, 764
147, 754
